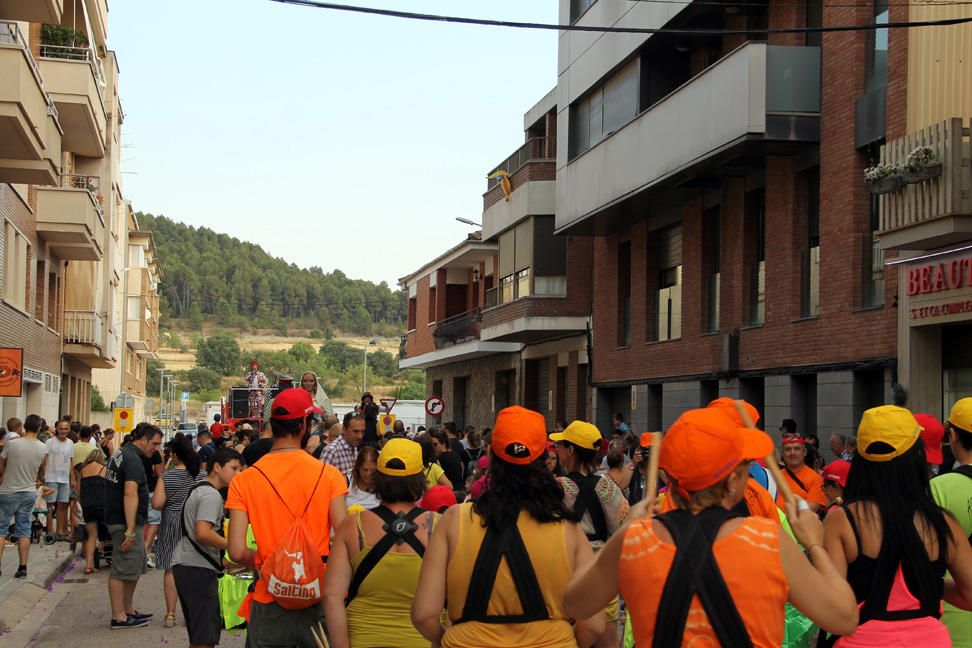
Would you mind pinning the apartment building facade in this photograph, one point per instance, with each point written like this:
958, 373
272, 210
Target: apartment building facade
502, 318
65, 218
736, 245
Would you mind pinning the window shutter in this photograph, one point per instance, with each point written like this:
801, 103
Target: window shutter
670, 247
506, 245
524, 246
596, 116
621, 98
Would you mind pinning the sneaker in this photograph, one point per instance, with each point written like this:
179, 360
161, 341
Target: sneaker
21, 572
140, 616
150, 560
130, 622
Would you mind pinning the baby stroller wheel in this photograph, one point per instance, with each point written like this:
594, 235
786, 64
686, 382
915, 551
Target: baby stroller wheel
97, 558
49, 538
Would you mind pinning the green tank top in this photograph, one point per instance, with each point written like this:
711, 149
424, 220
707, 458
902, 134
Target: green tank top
380, 615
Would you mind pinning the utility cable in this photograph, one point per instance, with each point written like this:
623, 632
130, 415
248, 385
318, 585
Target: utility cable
409, 15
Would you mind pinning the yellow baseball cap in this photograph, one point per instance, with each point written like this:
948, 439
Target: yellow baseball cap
581, 434
400, 458
961, 414
889, 425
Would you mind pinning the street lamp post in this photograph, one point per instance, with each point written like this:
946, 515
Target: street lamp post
372, 342
161, 382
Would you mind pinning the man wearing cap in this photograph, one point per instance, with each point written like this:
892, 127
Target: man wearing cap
953, 492
803, 480
269, 497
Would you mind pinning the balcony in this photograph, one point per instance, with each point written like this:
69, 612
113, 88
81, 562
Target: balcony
30, 134
75, 79
936, 212
757, 98
532, 170
143, 336
70, 218
84, 338
457, 329
42, 11
533, 318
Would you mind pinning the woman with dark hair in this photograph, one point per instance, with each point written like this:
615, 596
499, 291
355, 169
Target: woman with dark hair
92, 485
893, 543
434, 474
447, 457
552, 461
516, 602
170, 494
361, 479
373, 568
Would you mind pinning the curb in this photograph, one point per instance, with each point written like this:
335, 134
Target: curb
18, 602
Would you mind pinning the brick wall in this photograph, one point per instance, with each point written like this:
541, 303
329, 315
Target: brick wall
42, 347
529, 172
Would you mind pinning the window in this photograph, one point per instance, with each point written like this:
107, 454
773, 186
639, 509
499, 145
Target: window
756, 244
810, 255
872, 285
432, 304
40, 285
668, 302
877, 49
52, 301
549, 262
814, 18
16, 268
712, 266
624, 294
605, 109
578, 7
516, 256
412, 313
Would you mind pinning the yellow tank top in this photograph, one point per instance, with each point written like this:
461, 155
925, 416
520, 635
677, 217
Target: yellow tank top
547, 546
380, 614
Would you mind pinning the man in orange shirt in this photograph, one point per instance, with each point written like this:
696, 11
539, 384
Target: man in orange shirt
269, 497
803, 480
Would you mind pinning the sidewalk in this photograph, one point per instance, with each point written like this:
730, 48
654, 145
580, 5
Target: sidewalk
19, 596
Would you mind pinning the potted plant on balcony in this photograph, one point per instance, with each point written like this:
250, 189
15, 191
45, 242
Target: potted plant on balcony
920, 165
883, 178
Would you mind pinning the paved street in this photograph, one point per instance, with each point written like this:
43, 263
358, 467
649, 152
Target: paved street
74, 613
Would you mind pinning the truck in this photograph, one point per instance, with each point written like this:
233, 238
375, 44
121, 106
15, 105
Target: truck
235, 407
212, 408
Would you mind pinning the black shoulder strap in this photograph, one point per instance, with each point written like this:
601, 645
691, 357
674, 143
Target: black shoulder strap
496, 545
589, 502
695, 571
964, 469
217, 565
399, 528
795, 479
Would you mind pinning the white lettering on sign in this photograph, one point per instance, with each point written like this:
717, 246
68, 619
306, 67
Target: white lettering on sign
305, 592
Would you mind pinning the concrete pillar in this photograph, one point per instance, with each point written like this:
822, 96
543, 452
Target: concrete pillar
640, 415
729, 388
835, 405
677, 397
780, 404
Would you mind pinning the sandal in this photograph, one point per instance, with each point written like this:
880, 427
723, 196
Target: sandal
89, 570
170, 619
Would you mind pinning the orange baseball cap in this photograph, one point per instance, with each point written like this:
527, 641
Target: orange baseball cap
646, 440
727, 406
519, 435
705, 445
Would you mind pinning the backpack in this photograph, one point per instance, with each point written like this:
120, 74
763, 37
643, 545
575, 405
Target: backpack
293, 572
588, 502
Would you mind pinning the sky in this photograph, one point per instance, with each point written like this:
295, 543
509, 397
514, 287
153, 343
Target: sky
335, 140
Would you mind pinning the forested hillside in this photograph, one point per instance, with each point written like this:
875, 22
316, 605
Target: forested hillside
212, 276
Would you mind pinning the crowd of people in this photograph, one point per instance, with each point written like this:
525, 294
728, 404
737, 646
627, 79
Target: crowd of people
314, 530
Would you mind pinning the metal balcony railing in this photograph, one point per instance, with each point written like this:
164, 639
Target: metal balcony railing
83, 327
534, 148
68, 53
12, 36
458, 328
492, 298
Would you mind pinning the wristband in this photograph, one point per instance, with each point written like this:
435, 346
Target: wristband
130, 535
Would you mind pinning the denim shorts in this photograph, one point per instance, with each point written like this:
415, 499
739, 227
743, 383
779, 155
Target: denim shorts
19, 506
154, 517
61, 494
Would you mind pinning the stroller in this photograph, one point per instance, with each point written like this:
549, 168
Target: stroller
103, 548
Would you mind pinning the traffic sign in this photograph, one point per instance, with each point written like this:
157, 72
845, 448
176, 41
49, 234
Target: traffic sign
387, 404
185, 396
434, 406
386, 423
124, 420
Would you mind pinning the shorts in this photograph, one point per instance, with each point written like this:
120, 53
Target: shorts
61, 494
154, 517
272, 626
93, 515
126, 565
19, 506
198, 590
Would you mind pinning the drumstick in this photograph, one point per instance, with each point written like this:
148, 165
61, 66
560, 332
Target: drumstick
321, 641
772, 463
651, 485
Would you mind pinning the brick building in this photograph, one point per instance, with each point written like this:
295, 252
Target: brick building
736, 247
502, 318
65, 220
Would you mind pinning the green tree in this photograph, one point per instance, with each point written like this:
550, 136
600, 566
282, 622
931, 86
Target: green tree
152, 378
411, 391
97, 402
202, 378
383, 364
302, 352
221, 353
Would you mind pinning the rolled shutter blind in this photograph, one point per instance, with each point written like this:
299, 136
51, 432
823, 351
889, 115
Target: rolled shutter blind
507, 242
670, 247
524, 246
621, 98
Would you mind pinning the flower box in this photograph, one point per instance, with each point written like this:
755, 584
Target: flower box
886, 184
921, 175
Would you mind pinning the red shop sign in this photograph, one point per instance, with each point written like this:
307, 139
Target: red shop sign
938, 277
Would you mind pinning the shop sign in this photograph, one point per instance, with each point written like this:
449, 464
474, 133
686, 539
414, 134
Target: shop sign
939, 277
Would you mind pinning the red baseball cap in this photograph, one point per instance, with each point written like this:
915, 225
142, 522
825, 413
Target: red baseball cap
932, 433
705, 445
727, 406
837, 471
793, 438
519, 435
437, 498
293, 403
